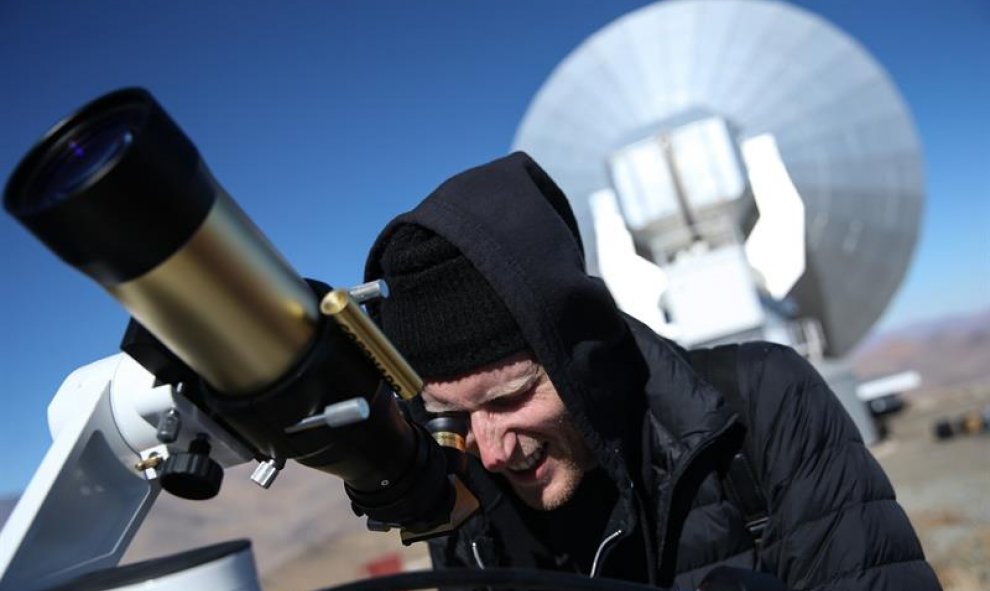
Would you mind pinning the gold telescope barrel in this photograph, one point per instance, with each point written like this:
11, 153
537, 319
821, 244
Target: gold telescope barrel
226, 303
118, 191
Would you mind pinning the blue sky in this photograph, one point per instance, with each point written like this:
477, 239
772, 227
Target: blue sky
326, 118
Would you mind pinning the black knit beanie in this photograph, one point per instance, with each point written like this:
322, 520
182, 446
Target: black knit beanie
441, 314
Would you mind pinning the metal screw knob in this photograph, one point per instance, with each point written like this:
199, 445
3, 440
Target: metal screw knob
369, 291
265, 473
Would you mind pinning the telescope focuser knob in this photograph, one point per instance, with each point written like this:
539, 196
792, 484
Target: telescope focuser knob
192, 475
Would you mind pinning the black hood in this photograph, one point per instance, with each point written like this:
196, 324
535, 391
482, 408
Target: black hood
514, 224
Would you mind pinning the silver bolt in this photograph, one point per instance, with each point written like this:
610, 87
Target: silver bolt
347, 412
339, 414
369, 291
385, 483
264, 475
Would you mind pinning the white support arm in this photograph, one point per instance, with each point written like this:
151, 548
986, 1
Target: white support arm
87, 498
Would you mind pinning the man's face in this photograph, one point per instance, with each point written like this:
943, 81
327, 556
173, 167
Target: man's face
519, 428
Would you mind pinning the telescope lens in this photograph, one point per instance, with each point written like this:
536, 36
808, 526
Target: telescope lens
82, 155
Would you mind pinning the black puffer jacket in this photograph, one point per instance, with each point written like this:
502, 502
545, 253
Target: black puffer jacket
660, 432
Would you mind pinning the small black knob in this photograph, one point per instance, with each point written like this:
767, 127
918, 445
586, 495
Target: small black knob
192, 475
169, 426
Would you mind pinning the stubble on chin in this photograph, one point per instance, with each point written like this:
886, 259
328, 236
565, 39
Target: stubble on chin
557, 492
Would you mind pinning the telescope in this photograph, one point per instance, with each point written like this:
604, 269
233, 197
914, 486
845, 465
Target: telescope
230, 357
238, 357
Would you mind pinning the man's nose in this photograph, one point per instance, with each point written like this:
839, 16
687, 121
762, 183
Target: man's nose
494, 445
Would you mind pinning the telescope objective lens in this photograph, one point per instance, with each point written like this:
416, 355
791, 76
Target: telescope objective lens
81, 156
119, 192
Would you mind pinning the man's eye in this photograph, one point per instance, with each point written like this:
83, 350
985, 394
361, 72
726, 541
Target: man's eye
509, 402
502, 403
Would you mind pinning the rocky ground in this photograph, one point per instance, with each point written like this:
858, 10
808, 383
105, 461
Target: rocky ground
945, 486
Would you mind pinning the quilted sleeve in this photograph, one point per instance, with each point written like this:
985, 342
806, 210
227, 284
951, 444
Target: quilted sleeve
834, 520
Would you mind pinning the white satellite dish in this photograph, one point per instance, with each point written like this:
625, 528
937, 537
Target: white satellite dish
795, 96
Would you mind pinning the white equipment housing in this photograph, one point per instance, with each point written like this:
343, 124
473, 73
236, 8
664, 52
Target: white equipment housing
88, 497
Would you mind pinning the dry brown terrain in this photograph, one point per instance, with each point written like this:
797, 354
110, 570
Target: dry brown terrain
948, 353
303, 531
945, 486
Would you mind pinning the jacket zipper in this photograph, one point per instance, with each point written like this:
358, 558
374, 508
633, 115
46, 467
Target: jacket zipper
477, 554
686, 461
601, 548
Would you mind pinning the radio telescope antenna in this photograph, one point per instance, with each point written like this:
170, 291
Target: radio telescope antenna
749, 122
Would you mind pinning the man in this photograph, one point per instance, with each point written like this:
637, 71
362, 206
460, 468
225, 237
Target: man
601, 448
